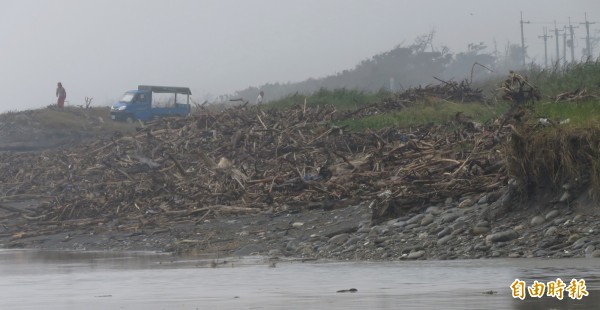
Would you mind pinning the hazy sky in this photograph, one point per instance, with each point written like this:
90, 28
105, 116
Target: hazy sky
101, 48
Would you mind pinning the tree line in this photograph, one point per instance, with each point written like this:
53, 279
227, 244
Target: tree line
401, 68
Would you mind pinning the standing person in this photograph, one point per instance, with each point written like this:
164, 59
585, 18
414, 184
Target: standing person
61, 93
259, 99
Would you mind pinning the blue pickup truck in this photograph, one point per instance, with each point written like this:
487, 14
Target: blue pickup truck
151, 102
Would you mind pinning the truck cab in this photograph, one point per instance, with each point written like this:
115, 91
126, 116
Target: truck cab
150, 102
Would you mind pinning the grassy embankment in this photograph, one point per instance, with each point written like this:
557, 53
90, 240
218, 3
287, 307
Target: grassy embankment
582, 76
581, 113
539, 156
558, 156
79, 119
426, 111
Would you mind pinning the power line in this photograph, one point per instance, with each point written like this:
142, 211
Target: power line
523, 38
572, 42
545, 37
588, 45
569, 39
565, 45
556, 31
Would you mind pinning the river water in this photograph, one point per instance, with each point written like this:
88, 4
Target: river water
100, 280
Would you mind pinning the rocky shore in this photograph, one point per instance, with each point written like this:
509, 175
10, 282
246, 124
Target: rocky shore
468, 228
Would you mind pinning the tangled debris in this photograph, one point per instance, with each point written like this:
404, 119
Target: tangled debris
579, 94
447, 188
518, 90
245, 160
447, 90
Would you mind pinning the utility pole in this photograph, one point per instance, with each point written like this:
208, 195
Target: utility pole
523, 38
556, 30
588, 45
545, 37
565, 46
572, 44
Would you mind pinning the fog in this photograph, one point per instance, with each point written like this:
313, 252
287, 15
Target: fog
101, 49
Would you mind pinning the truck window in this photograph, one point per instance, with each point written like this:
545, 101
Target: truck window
139, 98
163, 100
127, 98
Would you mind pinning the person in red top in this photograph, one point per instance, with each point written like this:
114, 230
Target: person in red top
61, 93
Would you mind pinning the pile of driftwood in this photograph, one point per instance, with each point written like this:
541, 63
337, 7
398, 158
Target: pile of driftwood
457, 91
245, 160
446, 90
518, 90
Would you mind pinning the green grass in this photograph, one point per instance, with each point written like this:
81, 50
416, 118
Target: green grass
422, 113
559, 80
544, 158
551, 82
579, 114
342, 99
427, 113
565, 79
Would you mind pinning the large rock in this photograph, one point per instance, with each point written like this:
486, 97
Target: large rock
415, 219
480, 230
446, 231
465, 203
427, 219
553, 230
459, 224
502, 236
552, 214
483, 224
416, 254
249, 249
339, 239
580, 242
444, 240
449, 218
481, 247
483, 199
590, 249
537, 220
433, 210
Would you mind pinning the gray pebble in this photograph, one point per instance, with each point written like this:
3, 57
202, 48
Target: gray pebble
428, 219
446, 231
416, 254
444, 240
480, 230
552, 214
415, 219
502, 236
551, 231
449, 218
590, 249
537, 220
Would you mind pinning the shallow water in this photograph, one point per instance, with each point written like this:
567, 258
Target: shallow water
99, 280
